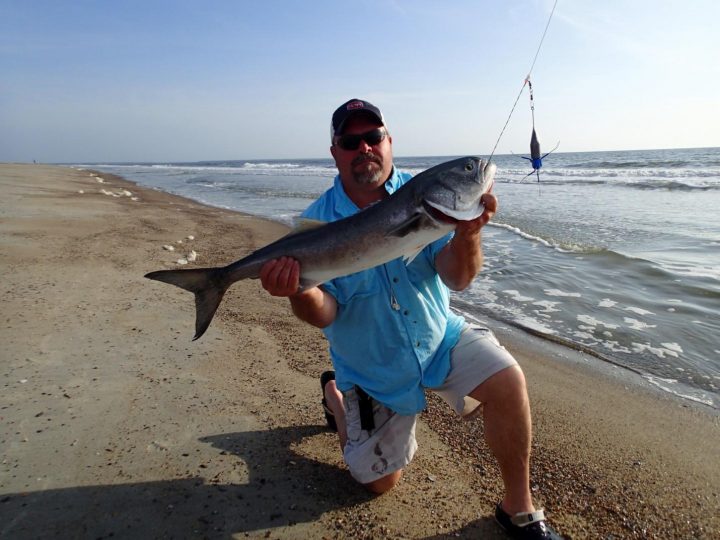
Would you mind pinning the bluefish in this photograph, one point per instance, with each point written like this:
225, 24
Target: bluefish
423, 210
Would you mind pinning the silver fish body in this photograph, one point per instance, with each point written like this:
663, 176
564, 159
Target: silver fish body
423, 210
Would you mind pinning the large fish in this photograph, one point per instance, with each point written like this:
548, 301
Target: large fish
423, 210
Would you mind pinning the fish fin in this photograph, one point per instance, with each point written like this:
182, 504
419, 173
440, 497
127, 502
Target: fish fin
306, 224
410, 256
408, 226
307, 283
208, 285
551, 151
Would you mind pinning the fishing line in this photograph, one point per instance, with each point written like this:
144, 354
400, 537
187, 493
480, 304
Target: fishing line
526, 81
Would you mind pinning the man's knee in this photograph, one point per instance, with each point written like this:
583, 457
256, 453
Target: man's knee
386, 483
505, 385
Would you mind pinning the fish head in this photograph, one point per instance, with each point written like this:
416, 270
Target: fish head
453, 190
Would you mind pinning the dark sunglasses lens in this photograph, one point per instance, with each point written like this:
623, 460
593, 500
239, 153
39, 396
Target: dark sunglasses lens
349, 142
352, 142
374, 137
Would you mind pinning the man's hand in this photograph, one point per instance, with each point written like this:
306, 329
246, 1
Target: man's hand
470, 228
281, 277
460, 261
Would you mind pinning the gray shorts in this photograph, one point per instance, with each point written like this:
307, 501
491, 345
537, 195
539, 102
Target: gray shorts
389, 447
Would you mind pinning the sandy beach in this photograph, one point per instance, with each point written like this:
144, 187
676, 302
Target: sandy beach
115, 424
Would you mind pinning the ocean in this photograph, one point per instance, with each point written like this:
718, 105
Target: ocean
613, 253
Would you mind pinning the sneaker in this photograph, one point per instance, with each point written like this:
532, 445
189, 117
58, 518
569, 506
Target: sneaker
526, 525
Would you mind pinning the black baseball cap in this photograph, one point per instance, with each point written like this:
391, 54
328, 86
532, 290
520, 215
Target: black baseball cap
350, 108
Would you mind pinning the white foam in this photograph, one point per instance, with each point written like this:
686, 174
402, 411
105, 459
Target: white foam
558, 292
547, 305
638, 325
606, 302
517, 296
615, 346
592, 321
673, 347
664, 384
660, 352
535, 238
639, 311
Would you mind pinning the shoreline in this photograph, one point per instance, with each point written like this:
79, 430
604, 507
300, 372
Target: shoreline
626, 373
115, 422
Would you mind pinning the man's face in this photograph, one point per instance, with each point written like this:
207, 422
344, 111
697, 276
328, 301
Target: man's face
368, 165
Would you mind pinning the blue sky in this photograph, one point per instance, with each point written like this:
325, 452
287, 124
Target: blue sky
152, 80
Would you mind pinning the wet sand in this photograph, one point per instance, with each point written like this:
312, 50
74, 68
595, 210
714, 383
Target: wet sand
114, 423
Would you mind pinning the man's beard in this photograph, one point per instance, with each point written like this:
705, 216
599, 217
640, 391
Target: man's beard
368, 175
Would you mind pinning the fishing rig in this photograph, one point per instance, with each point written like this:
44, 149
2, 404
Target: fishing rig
535, 156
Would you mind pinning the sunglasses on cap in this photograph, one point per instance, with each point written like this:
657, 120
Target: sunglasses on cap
352, 142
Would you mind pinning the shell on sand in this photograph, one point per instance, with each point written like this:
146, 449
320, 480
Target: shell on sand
169, 248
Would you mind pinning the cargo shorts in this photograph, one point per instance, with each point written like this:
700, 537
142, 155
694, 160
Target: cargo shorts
391, 445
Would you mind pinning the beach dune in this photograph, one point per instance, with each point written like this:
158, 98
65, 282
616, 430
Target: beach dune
114, 423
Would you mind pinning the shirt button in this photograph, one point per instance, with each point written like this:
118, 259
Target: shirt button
406, 312
395, 280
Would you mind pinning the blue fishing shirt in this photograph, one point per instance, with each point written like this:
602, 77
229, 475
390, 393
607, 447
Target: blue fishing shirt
394, 330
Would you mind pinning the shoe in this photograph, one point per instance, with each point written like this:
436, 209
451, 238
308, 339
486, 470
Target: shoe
325, 378
526, 525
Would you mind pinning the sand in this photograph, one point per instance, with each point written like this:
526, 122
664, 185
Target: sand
115, 424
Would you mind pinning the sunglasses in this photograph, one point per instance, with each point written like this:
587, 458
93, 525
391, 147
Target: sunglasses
352, 142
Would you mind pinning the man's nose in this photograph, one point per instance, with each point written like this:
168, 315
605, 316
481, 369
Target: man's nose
364, 147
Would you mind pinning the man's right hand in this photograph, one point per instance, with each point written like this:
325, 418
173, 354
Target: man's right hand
281, 277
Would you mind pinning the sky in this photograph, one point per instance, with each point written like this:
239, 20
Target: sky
161, 81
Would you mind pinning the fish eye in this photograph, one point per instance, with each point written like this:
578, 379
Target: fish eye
469, 166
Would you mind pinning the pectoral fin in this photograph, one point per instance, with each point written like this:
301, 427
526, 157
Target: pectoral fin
408, 226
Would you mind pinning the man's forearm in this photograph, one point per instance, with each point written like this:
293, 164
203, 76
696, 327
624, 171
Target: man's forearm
460, 261
314, 306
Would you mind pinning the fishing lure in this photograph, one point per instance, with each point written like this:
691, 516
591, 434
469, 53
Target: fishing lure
535, 157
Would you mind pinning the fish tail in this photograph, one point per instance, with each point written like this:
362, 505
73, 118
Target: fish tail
208, 285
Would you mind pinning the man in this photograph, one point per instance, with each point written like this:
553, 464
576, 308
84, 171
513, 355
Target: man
392, 334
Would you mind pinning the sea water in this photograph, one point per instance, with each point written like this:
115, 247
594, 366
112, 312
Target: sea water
613, 253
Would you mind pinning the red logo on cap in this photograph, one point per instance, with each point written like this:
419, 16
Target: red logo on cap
355, 105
